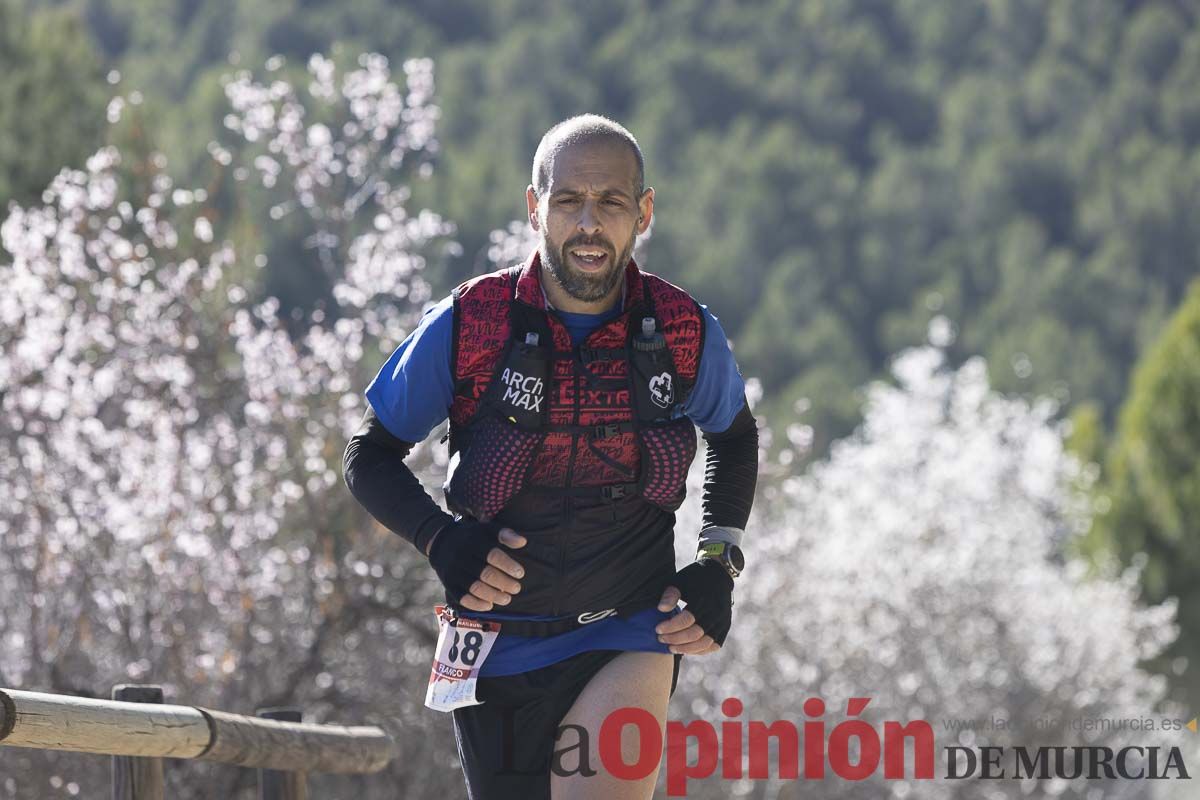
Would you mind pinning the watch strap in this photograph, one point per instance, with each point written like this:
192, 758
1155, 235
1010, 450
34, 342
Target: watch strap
718, 533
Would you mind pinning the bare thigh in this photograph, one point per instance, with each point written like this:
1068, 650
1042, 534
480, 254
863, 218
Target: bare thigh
637, 680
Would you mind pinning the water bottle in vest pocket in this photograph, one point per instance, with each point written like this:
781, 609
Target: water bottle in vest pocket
653, 374
505, 435
667, 445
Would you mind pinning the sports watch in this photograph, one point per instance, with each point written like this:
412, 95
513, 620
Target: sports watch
727, 554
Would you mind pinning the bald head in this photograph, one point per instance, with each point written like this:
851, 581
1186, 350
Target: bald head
584, 129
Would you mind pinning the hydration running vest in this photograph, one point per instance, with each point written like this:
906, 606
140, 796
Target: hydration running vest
595, 421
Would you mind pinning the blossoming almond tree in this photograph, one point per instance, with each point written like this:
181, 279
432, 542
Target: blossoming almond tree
170, 506
922, 565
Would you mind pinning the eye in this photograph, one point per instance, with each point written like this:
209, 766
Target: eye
567, 201
613, 203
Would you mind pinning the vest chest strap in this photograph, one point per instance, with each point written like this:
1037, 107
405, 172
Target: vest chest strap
590, 354
602, 431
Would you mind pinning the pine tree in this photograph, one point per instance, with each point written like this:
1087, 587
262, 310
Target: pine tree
51, 99
1150, 503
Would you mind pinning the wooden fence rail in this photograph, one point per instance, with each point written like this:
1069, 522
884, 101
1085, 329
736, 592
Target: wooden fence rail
148, 729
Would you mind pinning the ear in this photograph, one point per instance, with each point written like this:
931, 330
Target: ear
531, 205
645, 210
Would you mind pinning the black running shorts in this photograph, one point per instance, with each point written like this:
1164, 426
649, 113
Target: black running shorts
506, 743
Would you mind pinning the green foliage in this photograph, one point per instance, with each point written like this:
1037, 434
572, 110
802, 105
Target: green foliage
1086, 440
52, 98
829, 176
1152, 482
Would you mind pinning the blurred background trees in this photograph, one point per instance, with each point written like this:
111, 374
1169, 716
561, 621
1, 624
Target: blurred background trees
844, 170
830, 178
925, 569
52, 97
171, 502
1150, 503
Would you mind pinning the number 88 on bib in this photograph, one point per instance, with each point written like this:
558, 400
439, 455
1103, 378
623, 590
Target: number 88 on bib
463, 645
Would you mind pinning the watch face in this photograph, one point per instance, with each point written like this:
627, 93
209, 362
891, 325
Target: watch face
736, 559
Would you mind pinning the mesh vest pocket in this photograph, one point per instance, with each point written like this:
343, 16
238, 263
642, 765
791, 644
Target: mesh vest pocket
667, 452
492, 469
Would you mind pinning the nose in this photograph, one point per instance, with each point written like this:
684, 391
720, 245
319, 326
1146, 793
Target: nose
589, 220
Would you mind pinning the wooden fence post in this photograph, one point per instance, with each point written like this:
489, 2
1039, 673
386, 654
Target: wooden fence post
134, 777
276, 785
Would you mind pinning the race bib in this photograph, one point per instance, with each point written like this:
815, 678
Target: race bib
463, 645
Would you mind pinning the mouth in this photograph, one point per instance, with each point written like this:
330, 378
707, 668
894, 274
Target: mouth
588, 259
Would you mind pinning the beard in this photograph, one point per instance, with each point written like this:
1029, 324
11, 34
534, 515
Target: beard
587, 287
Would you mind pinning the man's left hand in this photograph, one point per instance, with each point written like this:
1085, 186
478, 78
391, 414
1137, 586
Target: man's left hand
682, 631
701, 627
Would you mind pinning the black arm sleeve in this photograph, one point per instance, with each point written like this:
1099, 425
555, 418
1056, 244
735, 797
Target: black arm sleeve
731, 472
374, 469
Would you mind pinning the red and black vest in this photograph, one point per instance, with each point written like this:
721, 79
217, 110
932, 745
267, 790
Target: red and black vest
532, 410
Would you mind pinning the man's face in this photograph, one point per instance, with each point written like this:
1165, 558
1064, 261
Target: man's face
589, 217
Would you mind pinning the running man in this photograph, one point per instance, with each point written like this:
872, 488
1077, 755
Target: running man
573, 384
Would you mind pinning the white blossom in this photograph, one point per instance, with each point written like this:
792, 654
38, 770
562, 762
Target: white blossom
926, 564
171, 502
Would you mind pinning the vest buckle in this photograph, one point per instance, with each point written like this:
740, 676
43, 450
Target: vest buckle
605, 431
614, 492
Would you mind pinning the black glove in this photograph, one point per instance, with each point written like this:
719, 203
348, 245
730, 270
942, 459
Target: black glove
708, 591
459, 554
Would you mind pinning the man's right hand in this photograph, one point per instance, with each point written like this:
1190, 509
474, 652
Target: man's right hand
477, 574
